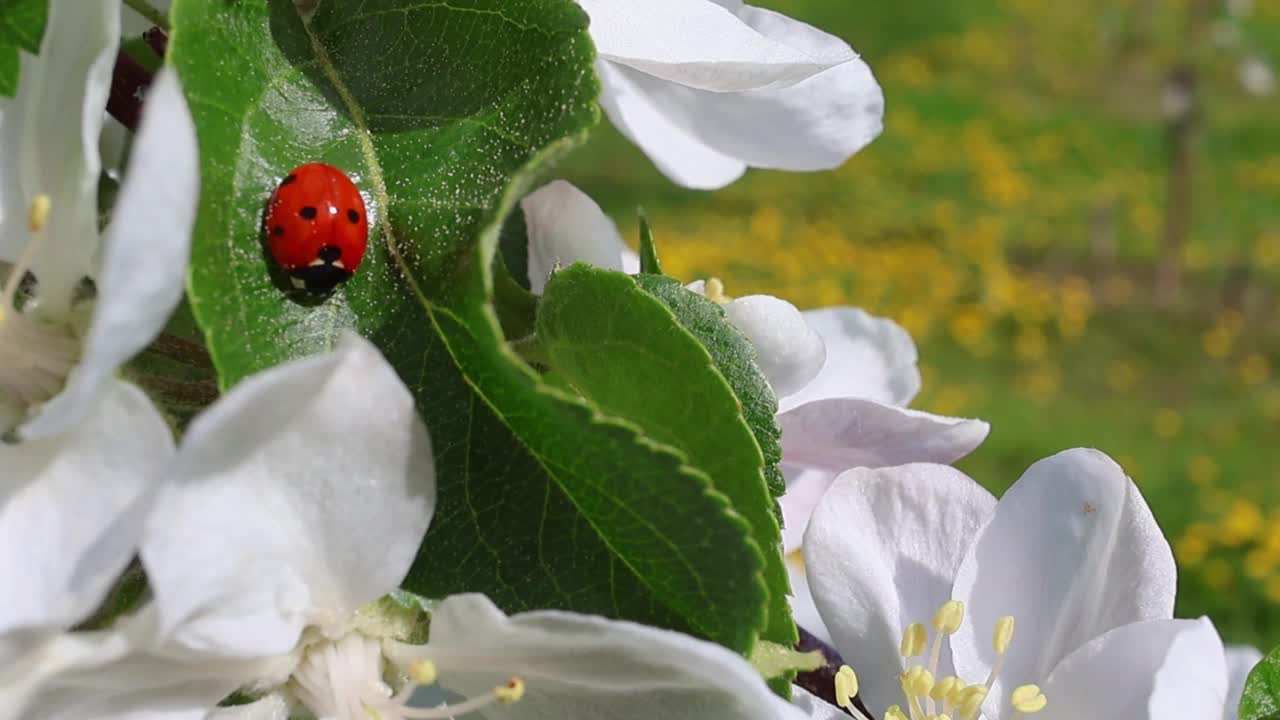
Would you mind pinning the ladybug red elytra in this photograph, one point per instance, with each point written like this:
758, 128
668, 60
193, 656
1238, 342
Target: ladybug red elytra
316, 226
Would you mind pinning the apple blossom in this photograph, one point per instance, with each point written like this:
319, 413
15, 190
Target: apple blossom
707, 88
299, 499
78, 478
1057, 600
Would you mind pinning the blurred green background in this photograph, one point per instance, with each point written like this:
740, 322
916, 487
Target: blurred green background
1014, 217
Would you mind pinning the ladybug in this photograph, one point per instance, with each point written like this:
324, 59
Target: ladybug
316, 227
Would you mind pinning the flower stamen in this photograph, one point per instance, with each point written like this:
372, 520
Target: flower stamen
1000, 641
914, 639
846, 688
1027, 699
510, 692
342, 680
945, 622
714, 290
949, 697
35, 356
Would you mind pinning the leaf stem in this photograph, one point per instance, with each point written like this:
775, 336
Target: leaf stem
178, 395
182, 350
153, 16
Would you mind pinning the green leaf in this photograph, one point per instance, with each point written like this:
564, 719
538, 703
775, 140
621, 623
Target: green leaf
441, 113
735, 358
584, 512
649, 263
513, 247
625, 351
1261, 699
22, 25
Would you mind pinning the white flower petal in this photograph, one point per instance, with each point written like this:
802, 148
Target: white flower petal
73, 508
880, 553
678, 153
867, 357
1071, 552
788, 351
815, 124
696, 43
1241, 659
49, 140
814, 707
30, 661
300, 496
149, 680
566, 226
138, 687
1156, 669
835, 434
803, 609
805, 489
145, 253
582, 666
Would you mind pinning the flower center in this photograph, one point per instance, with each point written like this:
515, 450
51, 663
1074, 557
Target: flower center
950, 697
343, 680
35, 356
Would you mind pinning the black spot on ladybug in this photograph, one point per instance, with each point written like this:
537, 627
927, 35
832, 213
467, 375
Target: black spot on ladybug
277, 230
329, 253
307, 212
288, 179
353, 216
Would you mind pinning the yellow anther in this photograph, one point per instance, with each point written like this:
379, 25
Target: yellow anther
894, 713
422, 672
846, 686
1003, 635
942, 716
1028, 699
511, 692
917, 681
943, 689
39, 214
914, 639
971, 701
954, 693
714, 290
949, 617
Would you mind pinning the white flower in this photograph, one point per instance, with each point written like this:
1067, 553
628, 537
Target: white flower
1056, 601
853, 413
52, 368
299, 498
566, 226
843, 377
708, 88
79, 478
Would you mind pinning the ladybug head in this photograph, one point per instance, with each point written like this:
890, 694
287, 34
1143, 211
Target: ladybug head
324, 273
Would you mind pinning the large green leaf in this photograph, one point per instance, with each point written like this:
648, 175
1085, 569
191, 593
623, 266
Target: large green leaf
21, 28
440, 112
623, 349
1261, 700
736, 359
